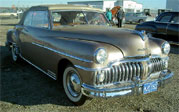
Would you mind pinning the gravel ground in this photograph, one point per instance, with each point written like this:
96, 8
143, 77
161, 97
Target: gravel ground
24, 88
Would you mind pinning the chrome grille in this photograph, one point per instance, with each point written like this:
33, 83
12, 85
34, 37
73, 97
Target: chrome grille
122, 72
156, 64
128, 70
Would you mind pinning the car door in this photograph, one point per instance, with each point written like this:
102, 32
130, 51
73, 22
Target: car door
24, 35
173, 29
32, 35
136, 18
133, 17
162, 24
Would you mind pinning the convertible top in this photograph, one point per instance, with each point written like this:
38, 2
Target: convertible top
65, 7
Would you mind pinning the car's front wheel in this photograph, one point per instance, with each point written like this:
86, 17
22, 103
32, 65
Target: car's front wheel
72, 86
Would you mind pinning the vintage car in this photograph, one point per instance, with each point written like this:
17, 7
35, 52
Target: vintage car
76, 44
166, 26
137, 18
4, 13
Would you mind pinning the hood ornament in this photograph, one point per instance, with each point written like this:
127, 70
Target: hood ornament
143, 35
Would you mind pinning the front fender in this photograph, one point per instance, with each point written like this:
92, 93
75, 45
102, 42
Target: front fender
156, 46
81, 52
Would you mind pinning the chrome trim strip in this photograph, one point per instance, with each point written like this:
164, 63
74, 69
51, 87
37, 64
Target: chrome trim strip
53, 77
106, 89
174, 43
119, 73
130, 69
87, 69
116, 68
62, 53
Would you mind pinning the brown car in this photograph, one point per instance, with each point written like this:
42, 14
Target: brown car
77, 45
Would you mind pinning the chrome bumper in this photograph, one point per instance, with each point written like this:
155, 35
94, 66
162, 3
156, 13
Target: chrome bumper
131, 88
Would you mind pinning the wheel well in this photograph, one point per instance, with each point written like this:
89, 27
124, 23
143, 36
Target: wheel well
61, 67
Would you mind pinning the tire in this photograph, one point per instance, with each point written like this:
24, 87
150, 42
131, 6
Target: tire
141, 21
72, 86
15, 53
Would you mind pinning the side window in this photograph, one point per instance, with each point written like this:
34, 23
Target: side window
175, 20
165, 18
80, 18
28, 19
40, 19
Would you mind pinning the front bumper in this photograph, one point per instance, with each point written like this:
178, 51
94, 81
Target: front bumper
121, 89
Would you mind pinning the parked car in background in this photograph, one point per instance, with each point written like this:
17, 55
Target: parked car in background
76, 44
4, 13
166, 26
19, 13
137, 18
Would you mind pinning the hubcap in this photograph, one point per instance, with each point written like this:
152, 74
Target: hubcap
73, 84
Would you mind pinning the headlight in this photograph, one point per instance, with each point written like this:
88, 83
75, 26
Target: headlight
100, 55
166, 47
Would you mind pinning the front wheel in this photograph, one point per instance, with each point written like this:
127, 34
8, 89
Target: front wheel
72, 86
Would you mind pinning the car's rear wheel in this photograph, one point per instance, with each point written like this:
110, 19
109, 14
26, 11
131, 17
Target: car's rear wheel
14, 51
72, 86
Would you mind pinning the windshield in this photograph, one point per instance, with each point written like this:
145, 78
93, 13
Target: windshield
78, 18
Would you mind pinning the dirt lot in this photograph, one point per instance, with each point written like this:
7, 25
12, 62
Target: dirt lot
24, 88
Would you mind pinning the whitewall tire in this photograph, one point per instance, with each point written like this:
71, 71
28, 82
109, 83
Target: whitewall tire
72, 86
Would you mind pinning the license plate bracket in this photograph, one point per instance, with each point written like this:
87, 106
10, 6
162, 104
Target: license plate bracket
150, 87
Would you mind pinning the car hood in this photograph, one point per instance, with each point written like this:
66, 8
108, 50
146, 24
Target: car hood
130, 42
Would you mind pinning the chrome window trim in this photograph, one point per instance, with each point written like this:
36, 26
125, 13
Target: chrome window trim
53, 77
67, 10
62, 53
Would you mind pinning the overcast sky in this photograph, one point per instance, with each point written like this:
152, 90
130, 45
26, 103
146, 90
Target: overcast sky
159, 4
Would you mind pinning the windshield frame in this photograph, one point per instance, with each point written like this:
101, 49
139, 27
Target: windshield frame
82, 11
